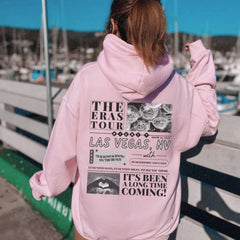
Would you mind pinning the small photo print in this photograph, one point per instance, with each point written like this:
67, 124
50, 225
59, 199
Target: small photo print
149, 117
103, 183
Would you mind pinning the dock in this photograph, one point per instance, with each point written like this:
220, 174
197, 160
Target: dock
18, 220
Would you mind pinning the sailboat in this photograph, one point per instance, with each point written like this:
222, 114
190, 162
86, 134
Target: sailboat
228, 91
38, 74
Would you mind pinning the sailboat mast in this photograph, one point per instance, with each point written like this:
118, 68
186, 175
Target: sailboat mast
238, 56
176, 35
176, 38
238, 44
41, 47
4, 41
54, 43
14, 40
64, 31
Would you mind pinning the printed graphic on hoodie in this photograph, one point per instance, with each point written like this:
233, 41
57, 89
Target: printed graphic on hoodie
107, 115
103, 183
147, 117
129, 145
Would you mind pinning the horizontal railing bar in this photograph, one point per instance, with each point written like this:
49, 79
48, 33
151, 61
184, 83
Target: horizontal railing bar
227, 143
211, 221
23, 144
25, 123
211, 199
217, 157
26, 103
189, 227
228, 132
212, 177
29, 90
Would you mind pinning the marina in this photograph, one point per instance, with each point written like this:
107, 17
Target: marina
21, 62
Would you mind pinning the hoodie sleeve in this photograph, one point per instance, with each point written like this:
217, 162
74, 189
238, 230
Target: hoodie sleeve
60, 163
204, 112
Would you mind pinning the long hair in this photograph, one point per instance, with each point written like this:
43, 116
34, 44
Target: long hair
141, 23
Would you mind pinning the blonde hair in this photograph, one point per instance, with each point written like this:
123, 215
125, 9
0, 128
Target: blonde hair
143, 24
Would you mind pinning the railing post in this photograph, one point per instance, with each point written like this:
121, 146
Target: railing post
3, 123
47, 65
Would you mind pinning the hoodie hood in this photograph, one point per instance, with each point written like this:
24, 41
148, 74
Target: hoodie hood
126, 71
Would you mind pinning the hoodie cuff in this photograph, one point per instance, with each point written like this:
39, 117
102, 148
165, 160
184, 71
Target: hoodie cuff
198, 44
39, 186
197, 49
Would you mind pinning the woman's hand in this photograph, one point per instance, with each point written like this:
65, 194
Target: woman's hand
187, 47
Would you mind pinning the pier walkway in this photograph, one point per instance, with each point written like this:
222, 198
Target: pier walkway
19, 221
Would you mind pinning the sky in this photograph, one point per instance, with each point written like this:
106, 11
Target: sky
205, 17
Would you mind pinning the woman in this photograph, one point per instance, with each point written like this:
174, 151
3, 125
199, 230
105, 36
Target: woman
122, 126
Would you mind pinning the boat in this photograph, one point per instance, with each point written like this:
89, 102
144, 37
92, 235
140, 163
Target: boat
39, 74
228, 87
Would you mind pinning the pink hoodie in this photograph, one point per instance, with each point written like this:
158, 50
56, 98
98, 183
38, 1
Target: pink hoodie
123, 129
